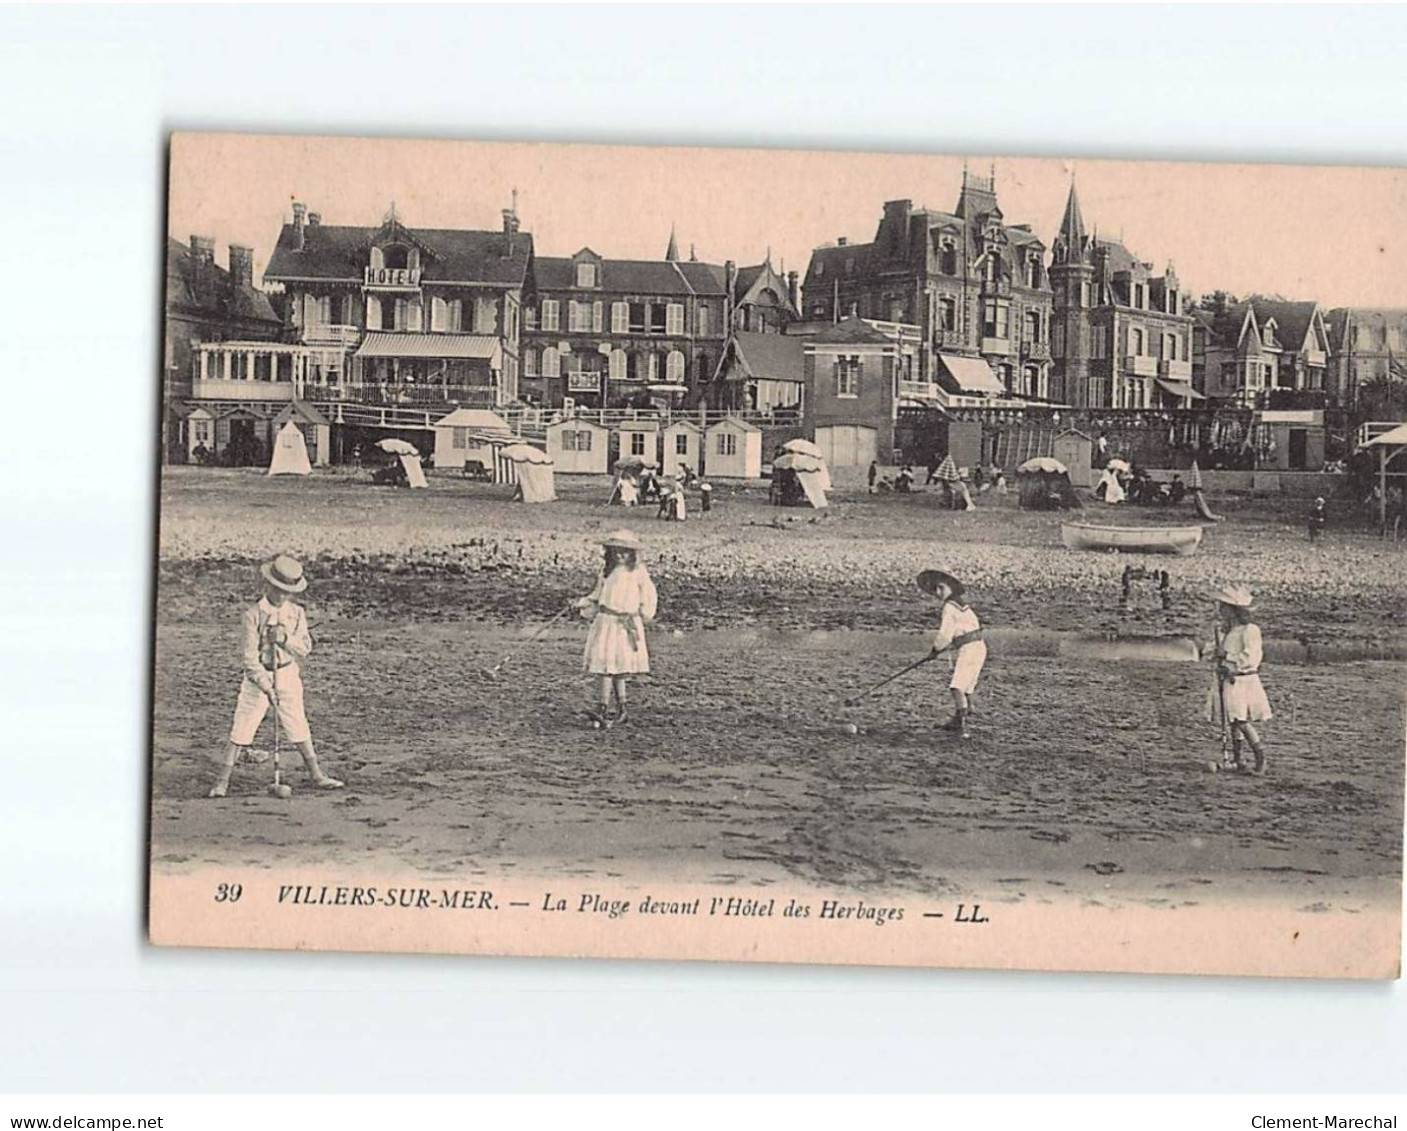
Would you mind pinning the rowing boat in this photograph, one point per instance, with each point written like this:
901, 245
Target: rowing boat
1182, 540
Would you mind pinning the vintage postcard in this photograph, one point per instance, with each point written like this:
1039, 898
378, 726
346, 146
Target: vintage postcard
781, 556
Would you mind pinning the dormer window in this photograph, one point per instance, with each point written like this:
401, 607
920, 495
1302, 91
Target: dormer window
1033, 271
948, 258
586, 274
1268, 334
820, 267
395, 257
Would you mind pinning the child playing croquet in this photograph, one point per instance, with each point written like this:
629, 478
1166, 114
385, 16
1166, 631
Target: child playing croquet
275, 644
623, 600
1239, 701
960, 632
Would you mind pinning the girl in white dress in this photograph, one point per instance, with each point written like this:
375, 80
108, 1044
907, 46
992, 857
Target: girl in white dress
960, 631
1238, 655
622, 602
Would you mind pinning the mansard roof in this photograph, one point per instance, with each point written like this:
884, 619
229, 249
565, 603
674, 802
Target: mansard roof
459, 255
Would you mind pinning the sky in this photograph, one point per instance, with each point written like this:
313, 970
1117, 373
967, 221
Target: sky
1335, 234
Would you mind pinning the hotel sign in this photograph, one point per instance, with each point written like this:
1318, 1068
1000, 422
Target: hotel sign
393, 278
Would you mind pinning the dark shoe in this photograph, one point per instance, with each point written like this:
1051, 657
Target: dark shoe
956, 723
620, 716
1259, 767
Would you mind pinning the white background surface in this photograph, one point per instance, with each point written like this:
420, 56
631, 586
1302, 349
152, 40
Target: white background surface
86, 97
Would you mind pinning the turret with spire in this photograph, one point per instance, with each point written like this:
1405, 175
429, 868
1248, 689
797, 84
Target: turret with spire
671, 253
1071, 278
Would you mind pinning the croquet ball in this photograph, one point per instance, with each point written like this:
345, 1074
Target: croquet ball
284, 791
1212, 767
595, 724
850, 728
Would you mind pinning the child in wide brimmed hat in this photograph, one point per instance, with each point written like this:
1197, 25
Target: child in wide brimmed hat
1239, 693
623, 600
275, 643
960, 631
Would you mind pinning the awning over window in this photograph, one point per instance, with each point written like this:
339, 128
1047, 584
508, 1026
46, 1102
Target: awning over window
476, 346
1182, 389
972, 374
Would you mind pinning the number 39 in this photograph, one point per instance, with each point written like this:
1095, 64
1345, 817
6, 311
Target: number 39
228, 893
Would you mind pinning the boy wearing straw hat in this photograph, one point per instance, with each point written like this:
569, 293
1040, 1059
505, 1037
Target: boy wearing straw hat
1239, 699
960, 632
275, 643
623, 600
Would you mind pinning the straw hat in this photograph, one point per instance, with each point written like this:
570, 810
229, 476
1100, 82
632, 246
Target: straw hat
1237, 596
930, 579
284, 573
622, 540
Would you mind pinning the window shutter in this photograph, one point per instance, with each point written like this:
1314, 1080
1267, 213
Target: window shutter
416, 311
598, 317
373, 313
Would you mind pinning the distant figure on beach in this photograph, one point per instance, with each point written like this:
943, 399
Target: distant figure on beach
905, 481
1318, 517
874, 474
934, 462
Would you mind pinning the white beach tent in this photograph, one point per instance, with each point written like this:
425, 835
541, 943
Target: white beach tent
810, 472
533, 467
290, 452
414, 473
807, 448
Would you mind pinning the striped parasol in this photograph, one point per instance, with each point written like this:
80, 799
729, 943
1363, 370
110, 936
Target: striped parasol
1195, 478
948, 471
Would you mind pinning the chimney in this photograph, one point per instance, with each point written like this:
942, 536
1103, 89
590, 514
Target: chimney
840, 242
300, 214
794, 290
510, 228
241, 265
203, 259
314, 219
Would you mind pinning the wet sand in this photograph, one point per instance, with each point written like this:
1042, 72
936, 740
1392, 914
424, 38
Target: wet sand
1085, 779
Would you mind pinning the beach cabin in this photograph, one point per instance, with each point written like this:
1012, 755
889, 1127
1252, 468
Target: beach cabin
200, 430
733, 450
683, 445
578, 447
317, 432
639, 438
1076, 451
1290, 440
470, 435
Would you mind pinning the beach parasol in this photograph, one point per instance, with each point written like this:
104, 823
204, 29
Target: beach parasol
799, 461
1194, 479
1119, 465
947, 471
806, 447
634, 463
394, 447
1042, 464
524, 453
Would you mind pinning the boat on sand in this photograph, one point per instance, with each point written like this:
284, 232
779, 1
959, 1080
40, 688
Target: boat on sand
1181, 540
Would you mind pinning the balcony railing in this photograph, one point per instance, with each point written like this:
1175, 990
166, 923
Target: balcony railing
1316, 359
1175, 370
919, 390
1141, 365
330, 334
219, 389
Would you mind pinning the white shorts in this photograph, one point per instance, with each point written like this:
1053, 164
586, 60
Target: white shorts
253, 704
967, 666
